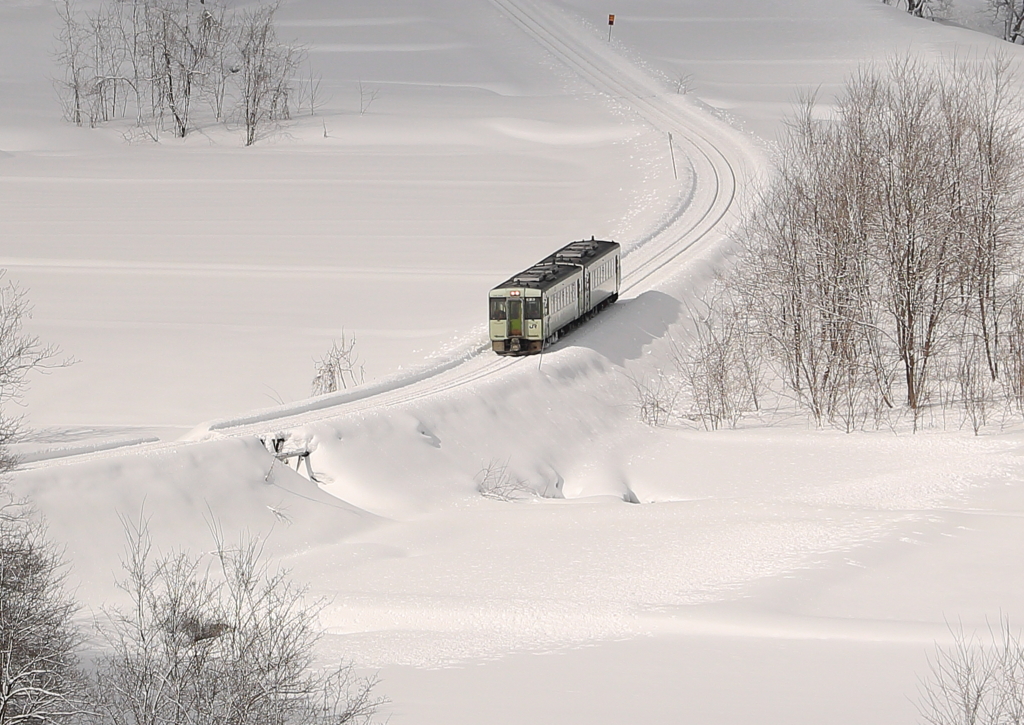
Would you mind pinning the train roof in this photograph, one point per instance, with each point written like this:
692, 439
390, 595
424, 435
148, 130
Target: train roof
563, 263
576, 252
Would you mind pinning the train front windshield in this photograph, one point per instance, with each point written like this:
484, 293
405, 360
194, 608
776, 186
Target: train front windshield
498, 311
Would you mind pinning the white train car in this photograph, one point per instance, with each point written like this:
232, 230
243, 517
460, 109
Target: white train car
530, 310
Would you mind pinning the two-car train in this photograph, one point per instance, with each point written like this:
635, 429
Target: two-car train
530, 310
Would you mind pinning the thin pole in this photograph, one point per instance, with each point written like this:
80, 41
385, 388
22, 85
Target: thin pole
672, 152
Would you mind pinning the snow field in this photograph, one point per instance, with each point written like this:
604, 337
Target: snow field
165, 270
767, 575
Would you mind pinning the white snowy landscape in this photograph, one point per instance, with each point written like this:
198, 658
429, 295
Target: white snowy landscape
775, 572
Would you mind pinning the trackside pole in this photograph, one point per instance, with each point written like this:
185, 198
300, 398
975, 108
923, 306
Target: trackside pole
611, 22
672, 153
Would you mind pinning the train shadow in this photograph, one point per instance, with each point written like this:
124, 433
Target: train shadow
621, 332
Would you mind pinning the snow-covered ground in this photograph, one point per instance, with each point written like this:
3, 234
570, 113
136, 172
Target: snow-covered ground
771, 575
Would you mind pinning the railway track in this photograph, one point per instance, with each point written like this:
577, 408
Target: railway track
703, 216
701, 138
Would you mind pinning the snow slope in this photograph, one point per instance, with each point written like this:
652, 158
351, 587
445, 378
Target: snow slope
769, 574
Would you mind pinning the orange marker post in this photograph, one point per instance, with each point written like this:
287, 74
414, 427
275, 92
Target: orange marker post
611, 22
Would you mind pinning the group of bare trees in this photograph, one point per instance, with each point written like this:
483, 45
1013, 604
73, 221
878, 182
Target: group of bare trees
40, 680
1008, 13
159, 62
221, 639
923, 8
881, 269
223, 642
229, 640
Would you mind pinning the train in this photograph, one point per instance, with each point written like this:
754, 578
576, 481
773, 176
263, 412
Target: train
530, 310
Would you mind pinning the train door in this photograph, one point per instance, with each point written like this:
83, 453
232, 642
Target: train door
515, 317
586, 290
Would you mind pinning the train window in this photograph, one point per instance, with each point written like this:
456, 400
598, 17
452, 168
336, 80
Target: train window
531, 310
497, 308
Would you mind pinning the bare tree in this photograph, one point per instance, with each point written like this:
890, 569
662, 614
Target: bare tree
917, 246
223, 59
718, 364
916, 7
21, 353
339, 368
1012, 352
40, 681
985, 148
111, 85
684, 83
973, 382
924, 8
1010, 13
366, 97
311, 93
181, 46
495, 481
976, 680
222, 640
266, 68
654, 397
71, 56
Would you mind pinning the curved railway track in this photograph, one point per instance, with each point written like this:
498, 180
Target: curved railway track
716, 176
707, 145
